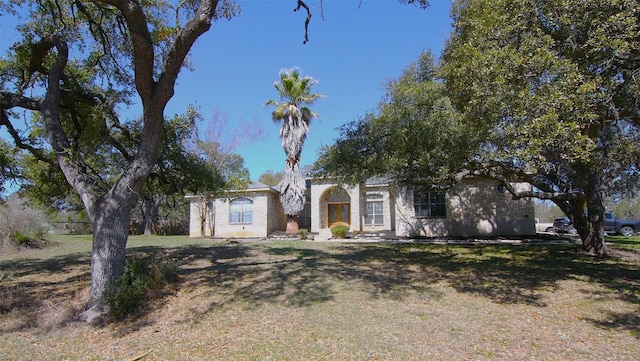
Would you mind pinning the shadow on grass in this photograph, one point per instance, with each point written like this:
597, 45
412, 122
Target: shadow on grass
626, 242
629, 321
27, 286
299, 274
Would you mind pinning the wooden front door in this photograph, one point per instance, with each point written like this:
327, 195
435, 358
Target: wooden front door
339, 214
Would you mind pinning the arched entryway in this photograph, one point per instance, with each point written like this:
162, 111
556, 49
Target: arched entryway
336, 205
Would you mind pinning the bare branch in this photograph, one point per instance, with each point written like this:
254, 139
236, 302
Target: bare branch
306, 22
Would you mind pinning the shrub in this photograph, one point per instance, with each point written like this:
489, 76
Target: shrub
339, 232
29, 239
303, 233
21, 224
141, 282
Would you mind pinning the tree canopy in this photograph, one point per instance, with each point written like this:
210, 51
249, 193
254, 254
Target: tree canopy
9, 168
553, 89
414, 135
75, 65
529, 91
271, 178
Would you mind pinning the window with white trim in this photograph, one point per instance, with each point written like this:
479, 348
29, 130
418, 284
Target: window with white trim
429, 204
241, 211
374, 214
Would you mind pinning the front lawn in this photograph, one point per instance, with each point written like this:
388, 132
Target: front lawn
624, 242
301, 300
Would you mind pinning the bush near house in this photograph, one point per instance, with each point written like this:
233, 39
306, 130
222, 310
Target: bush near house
339, 232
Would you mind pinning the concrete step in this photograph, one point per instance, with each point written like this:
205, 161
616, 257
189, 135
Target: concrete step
323, 235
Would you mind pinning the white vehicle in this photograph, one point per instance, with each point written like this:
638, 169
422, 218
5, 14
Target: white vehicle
543, 227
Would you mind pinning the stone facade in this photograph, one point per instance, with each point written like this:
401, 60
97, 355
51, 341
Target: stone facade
267, 215
475, 207
325, 193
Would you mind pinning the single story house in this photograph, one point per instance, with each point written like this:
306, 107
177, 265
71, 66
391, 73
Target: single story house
475, 207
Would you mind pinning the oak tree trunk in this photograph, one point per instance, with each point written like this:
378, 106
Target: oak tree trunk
594, 241
587, 215
151, 211
110, 233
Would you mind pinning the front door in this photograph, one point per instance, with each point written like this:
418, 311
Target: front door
339, 214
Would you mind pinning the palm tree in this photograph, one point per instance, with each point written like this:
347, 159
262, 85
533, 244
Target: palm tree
294, 91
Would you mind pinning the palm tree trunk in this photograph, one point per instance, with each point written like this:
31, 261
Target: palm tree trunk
292, 224
292, 193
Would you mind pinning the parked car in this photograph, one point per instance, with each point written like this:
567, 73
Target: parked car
623, 227
563, 225
543, 227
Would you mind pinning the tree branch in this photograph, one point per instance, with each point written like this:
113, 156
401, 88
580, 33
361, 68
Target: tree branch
50, 113
306, 22
38, 153
143, 50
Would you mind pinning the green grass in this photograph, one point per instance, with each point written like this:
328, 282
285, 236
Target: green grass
301, 300
624, 242
72, 244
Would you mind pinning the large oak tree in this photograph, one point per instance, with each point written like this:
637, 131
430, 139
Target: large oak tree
528, 96
76, 62
553, 88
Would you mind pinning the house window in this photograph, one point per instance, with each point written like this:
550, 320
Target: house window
241, 211
373, 216
429, 204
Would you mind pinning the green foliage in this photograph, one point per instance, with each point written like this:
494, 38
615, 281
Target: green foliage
304, 233
414, 135
141, 282
29, 239
8, 164
294, 90
542, 77
339, 231
552, 91
44, 184
271, 178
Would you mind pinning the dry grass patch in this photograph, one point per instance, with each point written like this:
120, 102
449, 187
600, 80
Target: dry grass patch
332, 301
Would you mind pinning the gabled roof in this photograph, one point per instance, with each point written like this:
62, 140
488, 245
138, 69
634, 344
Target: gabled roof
253, 186
257, 185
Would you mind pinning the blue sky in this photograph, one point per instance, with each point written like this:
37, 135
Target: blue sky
351, 52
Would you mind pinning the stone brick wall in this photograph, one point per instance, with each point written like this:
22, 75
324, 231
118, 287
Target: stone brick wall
257, 228
377, 193
475, 207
